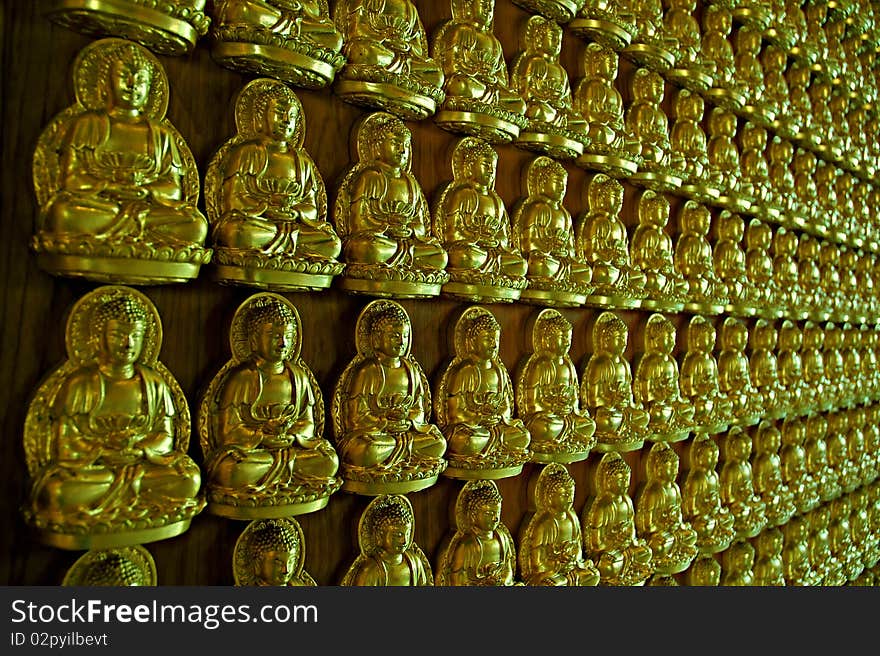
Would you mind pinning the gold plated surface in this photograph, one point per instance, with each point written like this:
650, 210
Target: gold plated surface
271, 552
123, 566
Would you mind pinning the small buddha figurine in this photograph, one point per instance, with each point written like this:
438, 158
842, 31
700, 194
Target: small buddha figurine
840, 540
610, 148
543, 232
840, 467
611, 24
759, 268
767, 469
776, 93
796, 566
764, 367
266, 200
122, 566
700, 379
799, 119
481, 552
701, 498
603, 244
261, 420
818, 467
704, 571
718, 55
750, 73
547, 395
121, 204
474, 404
672, 539
479, 99
734, 373
387, 65
606, 389
737, 485
725, 169
271, 552
860, 521
107, 432
537, 75
755, 170
689, 69
689, 141
821, 118
381, 409
730, 261
608, 520
661, 167
793, 465
294, 42
769, 568
860, 459
656, 384
738, 563
382, 216
783, 194
472, 223
827, 569
652, 253
826, 211
693, 259
791, 370
169, 28
551, 549
810, 298
834, 365
806, 193
652, 45
388, 554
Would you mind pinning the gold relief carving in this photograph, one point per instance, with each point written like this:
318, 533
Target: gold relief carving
271, 552
699, 379
551, 548
168, 28
474, 404
472, 223
261, 420
767, 469
479, 99
388, 555
106, 433
123, 566
266, 200
734, 373
116, 183
738, 487
296, 42
612, 24
652, 45
381, 410
652, 254
793, 464
701, 498
481, 552
718, 56
547, 395
387, 61
738, 563
693, 259
689, 70
383, 219
606, 389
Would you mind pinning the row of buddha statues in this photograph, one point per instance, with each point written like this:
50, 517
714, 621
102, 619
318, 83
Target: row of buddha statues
717, 528
106, 435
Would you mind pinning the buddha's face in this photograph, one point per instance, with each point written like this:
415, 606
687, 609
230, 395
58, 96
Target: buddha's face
395, 536
484, 345
617, 481
555, 185
559, 342
614, 340
561, 497
551, 39
707, 455
272, 341
281, 118
392, 339
394, 149
130, 83
483, 170
602, 63
123, 341
275, 565
478, 11
703, 338
485, 515
667, 469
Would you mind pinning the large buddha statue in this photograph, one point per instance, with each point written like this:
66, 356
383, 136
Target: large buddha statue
296, 42
116, 184
551, 547
271, 552
479, 99
699, 379
738, 486
653, 254
382, 407
266, 200
472, 223
388, 65
767, 470
474, 404
734, 374
607, 389
701, 498
106, 434
693, 260
382, 216
261, 420
547, 395
122, 566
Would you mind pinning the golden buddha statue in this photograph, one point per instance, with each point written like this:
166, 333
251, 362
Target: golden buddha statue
755, 171
388, 555
123, 566
738, 487
829, 268
689, 69
791, 369
840, 538
693, 259
606, 389
474, 404
796, 566
387, 65
106, 434
603, 244
116, 184
774, 60
652, 44
750, 73
271, 552
611, 24
610, 148
827, 569
688, 140
818, 467
547, 395
168, 28
834, 367
700, 379
551, 550
769, 569
701, 498
656, 384
382, 216
811, 298
536, 74
764, 368
725, 169
672, 539
767, 470
543, 232
872, 443
730, 262
261, 420
799, 119
266, 200
661, 167
718, 57
481, 552
793, 465
815, 15
822, 120
296, 42
381, 409
704, 571
608, 521
783, 195
479, 99
845, 473
734, 373
848, 283
738, 563
759, 269
804, 171
472, 223
825, 211
860, 520
652, 253
857, 456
